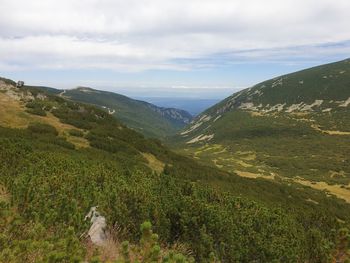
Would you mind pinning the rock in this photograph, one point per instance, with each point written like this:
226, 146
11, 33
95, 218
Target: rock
97, 232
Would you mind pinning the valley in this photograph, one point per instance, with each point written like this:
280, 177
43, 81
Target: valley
241, 175
183, 131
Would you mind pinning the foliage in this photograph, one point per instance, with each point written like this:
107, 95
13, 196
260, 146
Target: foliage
38, 107
148, 119
312, 143
214, 213
42, 128
76, 133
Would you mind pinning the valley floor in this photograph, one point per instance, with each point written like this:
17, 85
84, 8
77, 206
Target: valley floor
245, 164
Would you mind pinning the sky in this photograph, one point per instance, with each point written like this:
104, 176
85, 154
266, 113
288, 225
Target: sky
182, 48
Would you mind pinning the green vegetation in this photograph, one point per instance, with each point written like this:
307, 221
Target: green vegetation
53, 189
48, 185
8, 81
42, 128
144, 117
329, 83
149, 249
279, 144
76, 133
36, 108
290, 127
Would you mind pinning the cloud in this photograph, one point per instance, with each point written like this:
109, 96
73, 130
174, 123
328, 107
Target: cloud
137, 35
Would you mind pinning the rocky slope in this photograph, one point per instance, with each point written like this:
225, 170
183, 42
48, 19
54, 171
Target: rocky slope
322, 89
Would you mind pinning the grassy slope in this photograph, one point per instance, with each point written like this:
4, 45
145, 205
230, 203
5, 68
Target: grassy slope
328, 82
313, 145
133, 113
52, 184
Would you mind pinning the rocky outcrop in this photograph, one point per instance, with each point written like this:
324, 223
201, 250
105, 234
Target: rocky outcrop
172, 114
98, 226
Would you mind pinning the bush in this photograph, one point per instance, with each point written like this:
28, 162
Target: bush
149, 250
42, 128
37, 111
61, 142
36, 108
76, 133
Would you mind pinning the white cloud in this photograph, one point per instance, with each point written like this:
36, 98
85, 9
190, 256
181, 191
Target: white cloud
138, 35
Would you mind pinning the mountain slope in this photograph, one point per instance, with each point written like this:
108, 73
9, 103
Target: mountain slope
315, 89
49, 181
295, 127
151, 120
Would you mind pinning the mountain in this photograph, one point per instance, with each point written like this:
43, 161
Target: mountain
144, 117
320, 88
193, 105
295, 127
60, 159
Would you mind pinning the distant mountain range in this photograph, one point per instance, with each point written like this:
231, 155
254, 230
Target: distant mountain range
149, 119
193, 105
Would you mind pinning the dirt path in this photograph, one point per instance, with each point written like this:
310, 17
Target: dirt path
61, 94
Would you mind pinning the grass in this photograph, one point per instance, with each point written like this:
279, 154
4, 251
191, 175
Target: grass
155, 164
280, 143
311, 145
338, 190
53, 185
287, 145
4, 195
253, 175
137, 115
13, 115
245, 165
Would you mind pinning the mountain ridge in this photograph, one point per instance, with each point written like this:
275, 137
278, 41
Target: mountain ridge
149, 119
278, 97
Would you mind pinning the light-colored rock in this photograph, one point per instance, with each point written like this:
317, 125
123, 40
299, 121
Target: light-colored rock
307, 107
97, 229
218, 117
345, 103
246, 106
111, 111
192, 128
201, 138
278, 107
41, 96
278, 82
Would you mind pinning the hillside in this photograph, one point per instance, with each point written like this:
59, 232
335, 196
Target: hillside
60, 158
320, 88
294, 127
149, 119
